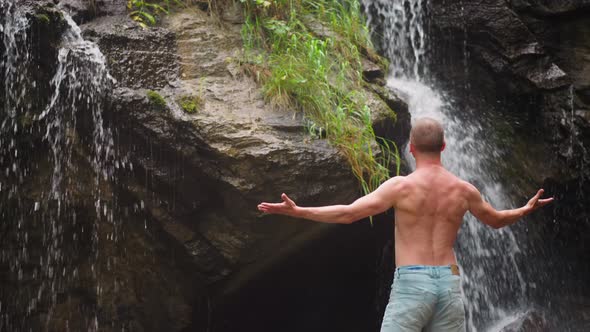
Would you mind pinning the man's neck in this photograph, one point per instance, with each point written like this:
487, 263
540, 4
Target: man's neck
427, 160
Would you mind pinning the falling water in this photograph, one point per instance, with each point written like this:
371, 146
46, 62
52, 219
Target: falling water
79, 88
80, 83
404, 37
492, 282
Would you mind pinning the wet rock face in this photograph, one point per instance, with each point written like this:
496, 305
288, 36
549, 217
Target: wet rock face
42, 35
528, 51
549, 8
200, 175
564, 35
496, 36
142, 287
533, 54
137, 58
534, 58
85, 10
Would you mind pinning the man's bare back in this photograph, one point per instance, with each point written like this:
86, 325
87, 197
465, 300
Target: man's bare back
428, 216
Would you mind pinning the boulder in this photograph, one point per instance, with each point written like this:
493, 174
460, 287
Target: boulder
207, 170
394, 108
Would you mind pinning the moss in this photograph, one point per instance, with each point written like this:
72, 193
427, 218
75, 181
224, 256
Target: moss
50, 21
43, 18
191, 104
156, 99
26, 120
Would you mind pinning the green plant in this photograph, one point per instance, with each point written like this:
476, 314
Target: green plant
156, 99
346, 18
43, 18
321, 77
191, 104
146, 13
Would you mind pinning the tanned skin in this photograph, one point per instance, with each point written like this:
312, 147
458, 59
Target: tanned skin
429, 207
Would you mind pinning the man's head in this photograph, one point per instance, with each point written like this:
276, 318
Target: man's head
427, 136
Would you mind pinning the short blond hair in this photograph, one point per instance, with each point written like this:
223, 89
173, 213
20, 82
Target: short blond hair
427, 135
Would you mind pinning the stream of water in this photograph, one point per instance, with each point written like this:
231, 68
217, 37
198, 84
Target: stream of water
47, 231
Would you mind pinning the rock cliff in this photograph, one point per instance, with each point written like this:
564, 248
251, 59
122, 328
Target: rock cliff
174, 228
532, 58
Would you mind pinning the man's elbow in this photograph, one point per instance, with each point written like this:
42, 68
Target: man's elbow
348, 219
493, 221
495, 225
497, 222
354, 216
349, 216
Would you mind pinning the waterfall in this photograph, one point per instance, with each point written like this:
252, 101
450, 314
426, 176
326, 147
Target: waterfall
42, 227
80, 83
492, 282
404, 35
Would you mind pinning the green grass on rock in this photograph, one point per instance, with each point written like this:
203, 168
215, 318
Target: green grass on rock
191, 104
156, 99
319, 75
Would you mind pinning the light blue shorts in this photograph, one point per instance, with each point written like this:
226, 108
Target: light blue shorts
424, 298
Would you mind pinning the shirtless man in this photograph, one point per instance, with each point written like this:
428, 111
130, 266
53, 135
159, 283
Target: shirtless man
429, 207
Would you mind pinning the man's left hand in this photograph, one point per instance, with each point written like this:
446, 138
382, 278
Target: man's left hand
287, 207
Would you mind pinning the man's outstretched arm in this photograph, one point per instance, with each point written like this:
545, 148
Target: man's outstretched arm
483, 211
374, 203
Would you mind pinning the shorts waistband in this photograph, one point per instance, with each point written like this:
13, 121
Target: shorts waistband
451, 269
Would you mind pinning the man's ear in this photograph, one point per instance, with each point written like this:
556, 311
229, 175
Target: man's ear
444, 145
412, 149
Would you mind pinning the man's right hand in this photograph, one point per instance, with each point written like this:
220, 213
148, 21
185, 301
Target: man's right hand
537, 202
483, 211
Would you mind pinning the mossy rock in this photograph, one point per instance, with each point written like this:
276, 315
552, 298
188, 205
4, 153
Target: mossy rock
156, 99
49, 15
43, 18
191, 104
26, 120
47, 25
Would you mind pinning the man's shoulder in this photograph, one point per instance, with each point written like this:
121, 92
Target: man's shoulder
398, 183
460, 183
396, 180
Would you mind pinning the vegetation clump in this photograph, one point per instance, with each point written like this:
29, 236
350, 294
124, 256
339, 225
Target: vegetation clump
48, 15
44, 18
191, 104
146, 13
156, 99
320, 75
